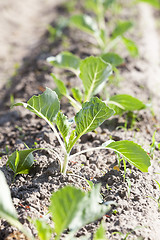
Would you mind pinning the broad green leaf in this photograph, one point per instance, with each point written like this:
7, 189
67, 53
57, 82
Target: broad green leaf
65, 60
45, 105
21, 161
108, 3
63, 125
44, 230
100, 233
112, 58
131, 47
7, 210
84, 23
121, 28
133, 152
91, 116
94, 73
127, 103
89, 209
77, 94
154, 3
64, 205
72, 208
98, 6
60, 85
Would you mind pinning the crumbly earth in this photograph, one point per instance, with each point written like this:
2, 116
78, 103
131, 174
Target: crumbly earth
136, 211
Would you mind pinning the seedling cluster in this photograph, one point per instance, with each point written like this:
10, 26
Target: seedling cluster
72, 208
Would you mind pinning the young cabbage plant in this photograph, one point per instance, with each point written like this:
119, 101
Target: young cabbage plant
92, 114
95, 25
71, 208
93, 73
7, 209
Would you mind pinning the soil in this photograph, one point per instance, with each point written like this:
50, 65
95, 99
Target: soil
137, 211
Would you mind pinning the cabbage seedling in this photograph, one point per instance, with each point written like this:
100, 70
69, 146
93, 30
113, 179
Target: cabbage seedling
92, 115
93, 73
95, 25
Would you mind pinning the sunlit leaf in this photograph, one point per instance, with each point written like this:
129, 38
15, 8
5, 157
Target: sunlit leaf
131, 47
72, 208
45, 105
112, 58
63, 125
133, 152
127, 103
21, 161
94, 73
60, 85
77, 94
121, 28
84, 23
65, 60
92, 115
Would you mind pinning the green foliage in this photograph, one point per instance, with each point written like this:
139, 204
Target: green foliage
100, 233
92, 115
45, 106
125, 102
121, 28
154, 3
113, 58
21, 161
44, 230
132, 152
131, 46
7, 210
72, 208
84, 23
65, 60
95, 25
94, 72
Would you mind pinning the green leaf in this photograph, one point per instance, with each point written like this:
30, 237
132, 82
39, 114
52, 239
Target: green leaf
91, 116
43, 229
94, 73
127, 103
45, 105
77, 94
100, 233
98, 6
112, 58
132, 152
131, 47
121, 28
65, 60
7, 210
64, 205
60, 85
154, 3
72, 208
63, 125
84, 23
21, 161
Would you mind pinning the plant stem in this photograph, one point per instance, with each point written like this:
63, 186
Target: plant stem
65, 163
57, 135
74, 103
87, 150
112, 44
